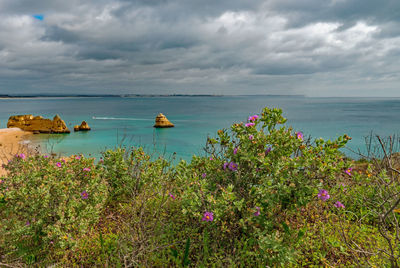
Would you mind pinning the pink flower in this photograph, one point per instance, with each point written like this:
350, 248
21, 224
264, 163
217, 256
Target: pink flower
211, 158
45, 156
251, 137
86, 169
299, 135
78, 157
58, 164
208, 216
63, 160
249, 124
338, 204
84, 195
204, 175
253, 118
172, 196
22, 156
235, 150
257, 213
323, 195
348, 171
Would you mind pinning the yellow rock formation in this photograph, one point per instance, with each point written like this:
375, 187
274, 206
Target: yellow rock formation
83, 127
162, 121
38, 124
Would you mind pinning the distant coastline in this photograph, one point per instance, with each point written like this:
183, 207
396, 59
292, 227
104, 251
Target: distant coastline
9, 96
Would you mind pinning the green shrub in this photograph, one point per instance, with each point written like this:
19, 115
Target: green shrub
48, 204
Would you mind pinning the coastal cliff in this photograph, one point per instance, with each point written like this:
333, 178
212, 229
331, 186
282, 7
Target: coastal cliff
162, 121
38, 124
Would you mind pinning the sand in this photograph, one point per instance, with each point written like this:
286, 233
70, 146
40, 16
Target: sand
12, 142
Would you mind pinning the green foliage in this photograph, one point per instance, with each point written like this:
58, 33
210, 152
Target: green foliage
259, 181
48, 204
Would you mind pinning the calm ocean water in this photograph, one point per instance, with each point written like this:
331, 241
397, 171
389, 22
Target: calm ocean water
129, 121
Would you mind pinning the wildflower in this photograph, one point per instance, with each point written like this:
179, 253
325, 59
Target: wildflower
226, 164
235, 150
233, 166
208, 216
86, 169
267, 151
253, 118
46, 156
84, 195
251, 137
348, 171
257, 213
338, 204
63, 160
323, 195
249, 124
204, 175
299, 135
211, 158
27, 223
58, 164
78, 157
172, 196
22, 156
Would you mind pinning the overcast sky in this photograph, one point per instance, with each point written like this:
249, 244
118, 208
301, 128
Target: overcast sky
311, 47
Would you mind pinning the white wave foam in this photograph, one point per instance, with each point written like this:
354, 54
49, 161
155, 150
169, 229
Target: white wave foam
121, 118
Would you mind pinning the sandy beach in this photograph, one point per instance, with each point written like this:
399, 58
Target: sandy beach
11, 143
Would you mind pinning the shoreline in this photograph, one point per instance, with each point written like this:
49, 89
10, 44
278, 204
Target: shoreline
12, 142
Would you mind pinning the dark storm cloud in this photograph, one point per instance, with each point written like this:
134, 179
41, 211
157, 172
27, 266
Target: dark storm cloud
180, 46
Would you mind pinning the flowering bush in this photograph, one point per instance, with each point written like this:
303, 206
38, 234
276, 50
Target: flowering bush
255, 173
49, 203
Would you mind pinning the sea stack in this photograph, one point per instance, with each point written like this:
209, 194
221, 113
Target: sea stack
162, 121
83, 127
38, 124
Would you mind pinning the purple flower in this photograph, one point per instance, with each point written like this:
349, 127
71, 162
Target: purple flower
251, 137
235, 150
208, 216
253, 118
249, 124
58, 164
233, 166
211, 158
27, 223
323, 195
22, 156
226, 164
63, 160
348, 171
257, 213
172, 196
338, 204
86, 169
267, 151
204, 175
299, 135
46, 156
84, 195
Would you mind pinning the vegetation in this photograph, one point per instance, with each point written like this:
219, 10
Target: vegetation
263, 196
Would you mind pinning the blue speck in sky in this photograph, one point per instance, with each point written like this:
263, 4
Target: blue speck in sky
39, 17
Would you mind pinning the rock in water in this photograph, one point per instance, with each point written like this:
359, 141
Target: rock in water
83, 127
38, 124
162, 121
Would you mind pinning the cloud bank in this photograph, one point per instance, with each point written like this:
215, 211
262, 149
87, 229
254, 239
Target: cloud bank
312, 47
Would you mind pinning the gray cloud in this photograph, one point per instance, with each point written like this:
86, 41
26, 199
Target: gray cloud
179, 46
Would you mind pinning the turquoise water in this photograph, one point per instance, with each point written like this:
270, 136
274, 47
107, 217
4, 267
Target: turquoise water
129, 121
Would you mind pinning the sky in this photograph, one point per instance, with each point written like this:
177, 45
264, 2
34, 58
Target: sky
308, 47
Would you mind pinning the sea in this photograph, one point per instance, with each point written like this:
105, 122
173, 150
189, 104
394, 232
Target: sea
128, 121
